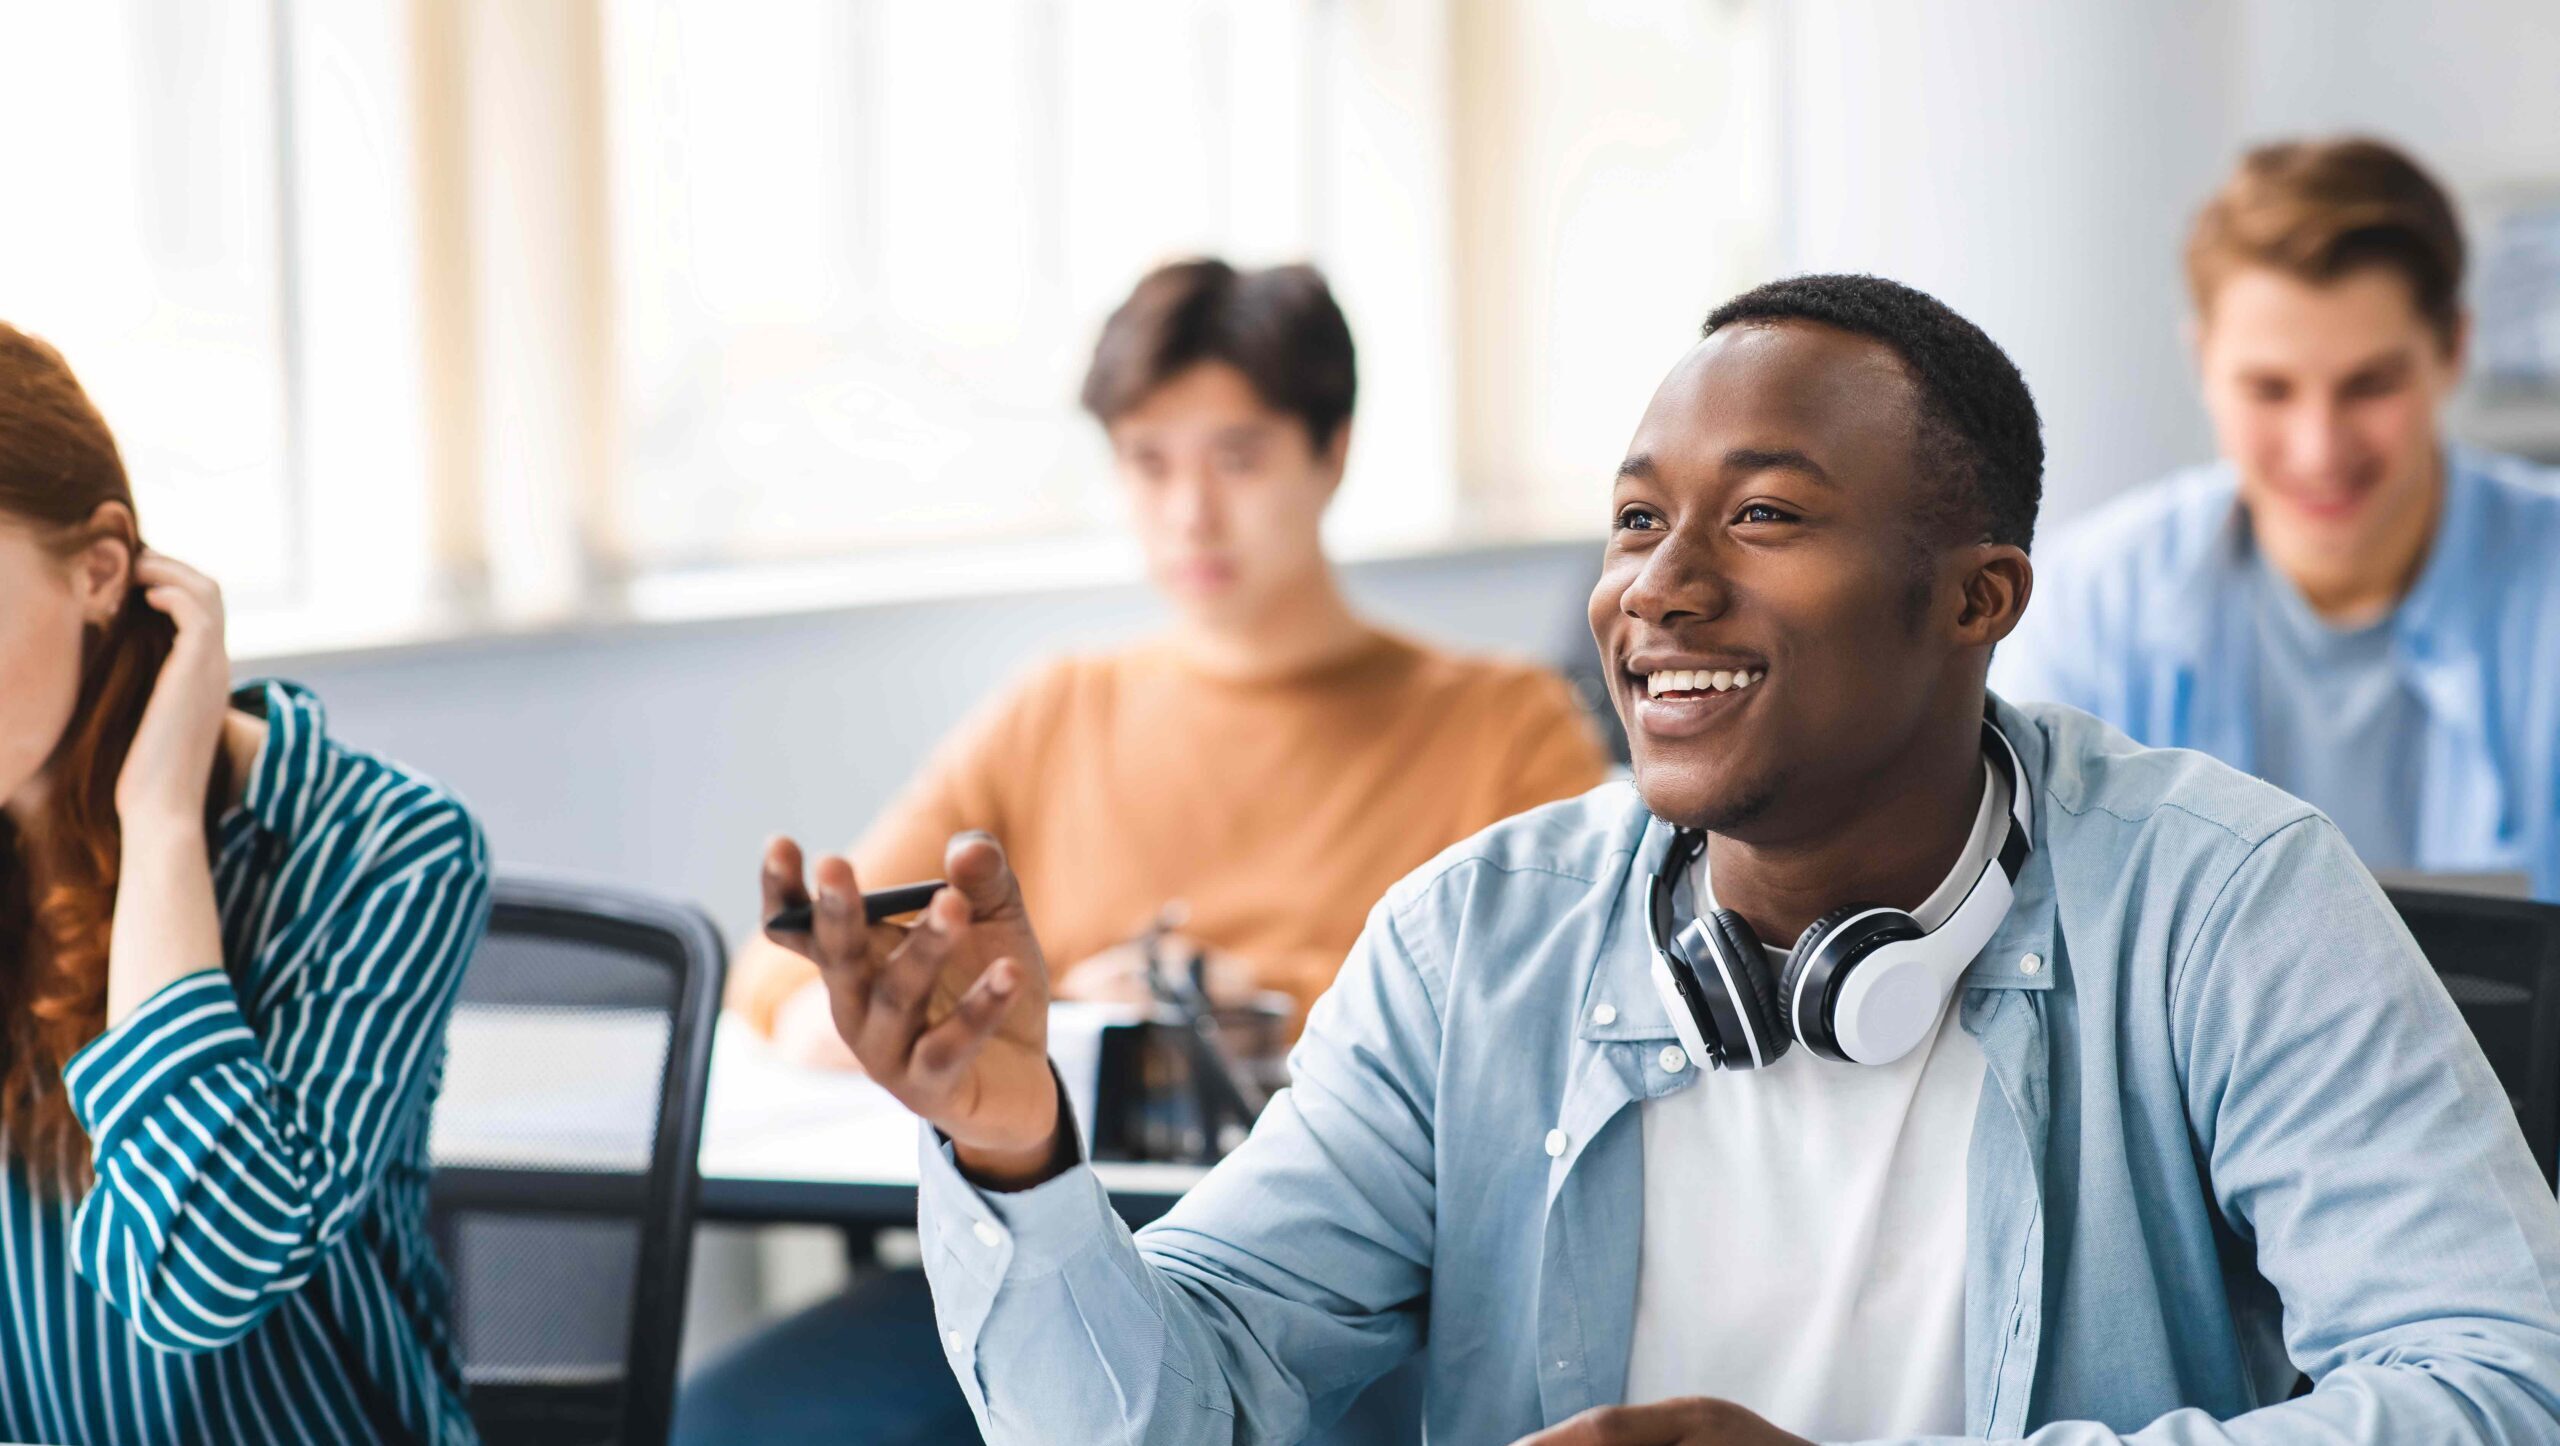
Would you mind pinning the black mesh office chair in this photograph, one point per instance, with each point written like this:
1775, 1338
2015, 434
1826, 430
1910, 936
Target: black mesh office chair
2500, 960
564, 1150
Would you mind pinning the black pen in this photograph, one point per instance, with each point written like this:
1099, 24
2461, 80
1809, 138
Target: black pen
877, 907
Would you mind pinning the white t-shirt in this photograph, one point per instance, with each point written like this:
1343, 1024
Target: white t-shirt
1803, 1247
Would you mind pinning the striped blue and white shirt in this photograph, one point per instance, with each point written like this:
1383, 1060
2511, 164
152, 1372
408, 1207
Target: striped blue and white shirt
252, 1263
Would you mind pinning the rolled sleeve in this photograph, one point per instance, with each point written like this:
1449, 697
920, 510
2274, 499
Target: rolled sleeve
229, 1158
119, 1081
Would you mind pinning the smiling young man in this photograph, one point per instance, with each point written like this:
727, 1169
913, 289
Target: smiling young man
2347, 605
2156, 1104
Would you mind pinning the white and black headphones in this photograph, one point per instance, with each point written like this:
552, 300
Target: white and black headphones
1863, 985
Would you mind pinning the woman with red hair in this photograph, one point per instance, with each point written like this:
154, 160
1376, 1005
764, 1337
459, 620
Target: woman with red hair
228, 949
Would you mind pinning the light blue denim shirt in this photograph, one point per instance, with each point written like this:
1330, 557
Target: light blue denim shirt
2231, 1126
2142, 616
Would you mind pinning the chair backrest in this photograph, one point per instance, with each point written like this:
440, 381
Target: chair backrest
564, 1146
2500, 960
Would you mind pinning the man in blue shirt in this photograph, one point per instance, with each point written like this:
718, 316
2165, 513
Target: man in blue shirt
2141, 1050
2346, 605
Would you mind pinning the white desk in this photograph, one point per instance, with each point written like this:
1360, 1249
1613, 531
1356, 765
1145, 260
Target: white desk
576, 1096
781, 1142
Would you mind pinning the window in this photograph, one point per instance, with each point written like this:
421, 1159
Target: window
422, 317
861, 250
208, 213
144, 241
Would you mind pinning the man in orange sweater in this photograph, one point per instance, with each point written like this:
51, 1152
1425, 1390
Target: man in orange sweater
1262, 770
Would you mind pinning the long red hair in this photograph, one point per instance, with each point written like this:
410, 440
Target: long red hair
58, 465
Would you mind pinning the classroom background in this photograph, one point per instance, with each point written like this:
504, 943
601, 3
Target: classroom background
595, 400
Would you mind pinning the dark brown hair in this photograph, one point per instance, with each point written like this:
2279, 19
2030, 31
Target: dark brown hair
58, 465
1279, 327
2317, 210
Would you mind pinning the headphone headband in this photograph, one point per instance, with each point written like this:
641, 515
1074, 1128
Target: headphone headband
1860, 971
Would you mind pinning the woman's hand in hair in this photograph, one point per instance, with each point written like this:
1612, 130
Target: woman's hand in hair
166, 922
170, 764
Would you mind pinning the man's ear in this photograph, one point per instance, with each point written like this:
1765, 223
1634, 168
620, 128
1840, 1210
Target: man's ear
1996, 586
102, 568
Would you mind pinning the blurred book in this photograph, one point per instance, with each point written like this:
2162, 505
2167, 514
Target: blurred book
2516, 300
2513, 401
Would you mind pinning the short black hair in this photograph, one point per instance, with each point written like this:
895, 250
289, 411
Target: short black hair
1979, 437
1279, 327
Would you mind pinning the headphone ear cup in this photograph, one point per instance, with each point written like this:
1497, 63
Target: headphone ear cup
1800, 998
1748, 965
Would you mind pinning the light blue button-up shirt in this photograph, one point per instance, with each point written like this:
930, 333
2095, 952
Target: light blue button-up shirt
2231, 1126
2142, 616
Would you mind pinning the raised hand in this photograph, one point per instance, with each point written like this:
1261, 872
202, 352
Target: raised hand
949, 1014
166, 921
170, 763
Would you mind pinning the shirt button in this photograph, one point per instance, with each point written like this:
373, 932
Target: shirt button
2031, 965
987, 1234
1556, 1141
1606, 1014
1672, 1059
952, 1339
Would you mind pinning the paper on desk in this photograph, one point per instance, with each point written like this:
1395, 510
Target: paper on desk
775, 1120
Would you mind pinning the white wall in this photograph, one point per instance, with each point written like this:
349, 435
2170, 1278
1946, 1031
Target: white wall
2473, 88
1615, 180
2036, 165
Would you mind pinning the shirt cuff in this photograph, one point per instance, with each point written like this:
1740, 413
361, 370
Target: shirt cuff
995, 1236
192, 1025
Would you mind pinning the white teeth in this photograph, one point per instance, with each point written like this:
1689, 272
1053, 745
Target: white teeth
1680, 680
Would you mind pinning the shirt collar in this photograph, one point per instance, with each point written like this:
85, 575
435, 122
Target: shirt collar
284, 778
2025, 952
